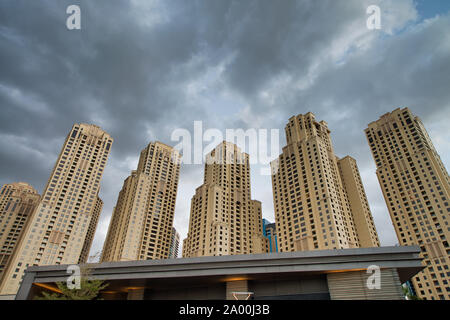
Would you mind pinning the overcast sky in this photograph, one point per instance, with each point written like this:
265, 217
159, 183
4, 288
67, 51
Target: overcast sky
141, 69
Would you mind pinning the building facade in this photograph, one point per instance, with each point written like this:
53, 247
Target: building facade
91, 231
416, 188
141, 225
174, 244
270, 232
59, 229
319, 199
17, 203
224, 220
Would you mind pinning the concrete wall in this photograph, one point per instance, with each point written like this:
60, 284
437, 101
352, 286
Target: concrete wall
311, 287
210, 292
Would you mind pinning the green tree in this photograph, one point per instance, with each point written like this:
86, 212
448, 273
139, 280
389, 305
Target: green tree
408, 294
89, 288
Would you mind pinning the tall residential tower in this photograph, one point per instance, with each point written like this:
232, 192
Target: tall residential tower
319, 199
224, 220
17, 203
59, 230
416, 188
141, 226
174, 244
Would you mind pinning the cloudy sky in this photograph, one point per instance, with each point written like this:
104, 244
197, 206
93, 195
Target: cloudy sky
141, 69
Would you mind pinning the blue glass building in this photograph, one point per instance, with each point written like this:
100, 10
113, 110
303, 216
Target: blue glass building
270, 232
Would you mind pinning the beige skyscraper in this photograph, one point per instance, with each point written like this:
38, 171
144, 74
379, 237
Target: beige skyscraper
416, 188
224, 220
174, 244
142, 220
17, 203
319, 199
91, 231
60, 229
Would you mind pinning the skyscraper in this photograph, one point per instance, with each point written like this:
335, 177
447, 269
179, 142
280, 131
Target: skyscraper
319, 199
224, 220
416, 188
91, 231
142, 221
270, 232
17, 203
174, 244
59, 229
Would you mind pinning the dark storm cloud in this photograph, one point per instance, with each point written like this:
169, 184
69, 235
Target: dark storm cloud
113, 71
141, 69
381, 79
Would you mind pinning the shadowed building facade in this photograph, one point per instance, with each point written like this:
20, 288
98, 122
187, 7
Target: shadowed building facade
319, 199
61, 228
141, 225
416, 189
224, 219
91, 231
17, 203
174, 244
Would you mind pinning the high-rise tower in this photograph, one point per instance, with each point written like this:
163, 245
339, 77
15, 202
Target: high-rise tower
142, 222
174, 244
59, 230
17, 203
319, 199
270, 232
416, 188
224, 220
